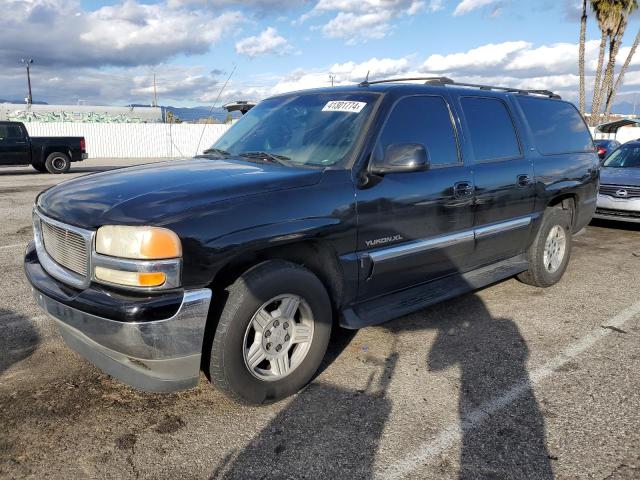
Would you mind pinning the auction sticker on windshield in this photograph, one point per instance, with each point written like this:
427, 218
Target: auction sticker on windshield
344, 106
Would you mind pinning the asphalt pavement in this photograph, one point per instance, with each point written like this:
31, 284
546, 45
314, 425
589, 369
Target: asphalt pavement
510, 382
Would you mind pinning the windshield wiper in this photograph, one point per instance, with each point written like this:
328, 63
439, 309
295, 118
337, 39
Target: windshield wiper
216, 151
272, 157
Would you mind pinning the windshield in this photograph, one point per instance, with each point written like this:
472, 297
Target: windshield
304, 129
626, 156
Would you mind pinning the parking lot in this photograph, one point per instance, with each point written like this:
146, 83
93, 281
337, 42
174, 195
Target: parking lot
509, 382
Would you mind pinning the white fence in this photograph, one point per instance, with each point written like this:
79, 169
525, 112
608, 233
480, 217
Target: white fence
147, 140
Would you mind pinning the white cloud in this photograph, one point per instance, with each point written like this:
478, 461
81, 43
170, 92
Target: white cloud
466, 6
490, 55
361, 20
60, 32
268, 42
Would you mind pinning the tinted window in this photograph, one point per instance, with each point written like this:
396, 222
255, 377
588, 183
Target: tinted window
10, 131
491, 129
557, 126
424, 120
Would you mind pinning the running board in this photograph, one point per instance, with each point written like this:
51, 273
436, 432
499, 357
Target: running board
394, 305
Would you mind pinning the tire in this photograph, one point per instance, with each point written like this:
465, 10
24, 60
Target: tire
39, 167
543, 271
236, 339
57, 163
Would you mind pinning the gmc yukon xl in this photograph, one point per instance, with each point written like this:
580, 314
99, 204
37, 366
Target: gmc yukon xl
349, 206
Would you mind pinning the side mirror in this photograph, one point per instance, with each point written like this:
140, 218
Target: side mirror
401, 158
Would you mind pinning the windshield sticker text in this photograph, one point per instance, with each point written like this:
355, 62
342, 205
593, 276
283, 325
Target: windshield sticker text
344, 106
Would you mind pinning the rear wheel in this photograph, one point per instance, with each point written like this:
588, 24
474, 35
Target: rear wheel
549, 254
272, 334
57, 163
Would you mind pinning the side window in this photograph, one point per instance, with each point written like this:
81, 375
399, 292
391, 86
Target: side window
491, 129
14, 132
425, 120
10, 132
557, 126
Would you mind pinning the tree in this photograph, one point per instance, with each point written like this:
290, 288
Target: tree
621, 15
605, 14
612, 16
614, 91
583, 34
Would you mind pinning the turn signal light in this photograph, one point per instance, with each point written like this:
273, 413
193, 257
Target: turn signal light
130, 279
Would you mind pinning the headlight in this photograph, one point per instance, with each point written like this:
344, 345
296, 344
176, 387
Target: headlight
138, 242
148, 258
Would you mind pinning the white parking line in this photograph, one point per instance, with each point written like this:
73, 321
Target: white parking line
6, 247
454, 431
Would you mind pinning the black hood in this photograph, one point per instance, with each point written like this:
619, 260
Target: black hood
157, 193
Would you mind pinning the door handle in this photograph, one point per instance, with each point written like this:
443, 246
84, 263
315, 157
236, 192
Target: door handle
524, 180
463, 190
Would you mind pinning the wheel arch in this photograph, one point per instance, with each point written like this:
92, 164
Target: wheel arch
566, 201
316, 255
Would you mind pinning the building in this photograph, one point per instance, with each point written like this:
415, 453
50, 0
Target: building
79, 113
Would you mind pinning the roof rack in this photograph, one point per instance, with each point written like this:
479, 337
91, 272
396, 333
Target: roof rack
443, 81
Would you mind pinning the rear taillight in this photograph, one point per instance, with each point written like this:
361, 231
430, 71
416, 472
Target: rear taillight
83, 145
601, 151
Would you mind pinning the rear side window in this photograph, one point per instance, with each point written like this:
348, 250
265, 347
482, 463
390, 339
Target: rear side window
493, 135
557, 127
425, 120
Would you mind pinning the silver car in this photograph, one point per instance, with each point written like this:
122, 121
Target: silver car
619, 196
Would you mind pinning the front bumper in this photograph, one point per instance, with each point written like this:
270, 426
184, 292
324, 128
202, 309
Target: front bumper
151, 344
620, 209
156, 356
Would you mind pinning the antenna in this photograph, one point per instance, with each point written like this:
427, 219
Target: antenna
366, 80
214, 104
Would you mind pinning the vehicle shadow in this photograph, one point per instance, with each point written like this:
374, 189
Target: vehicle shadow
628, 226
332, 432
502, 426
18, 338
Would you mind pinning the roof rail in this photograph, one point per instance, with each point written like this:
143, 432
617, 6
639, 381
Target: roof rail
447, 81
429, 80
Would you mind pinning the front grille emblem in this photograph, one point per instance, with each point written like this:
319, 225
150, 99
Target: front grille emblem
622, 193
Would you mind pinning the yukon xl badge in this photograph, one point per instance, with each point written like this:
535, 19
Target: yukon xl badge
383, 241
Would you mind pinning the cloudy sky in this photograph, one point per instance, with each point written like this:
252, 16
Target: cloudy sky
107, 51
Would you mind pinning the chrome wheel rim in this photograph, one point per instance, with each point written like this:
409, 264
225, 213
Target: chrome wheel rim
58, 163
554, 249
278, 337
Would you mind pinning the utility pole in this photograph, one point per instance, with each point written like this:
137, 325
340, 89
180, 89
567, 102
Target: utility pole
155, 92
332, 78
28, 62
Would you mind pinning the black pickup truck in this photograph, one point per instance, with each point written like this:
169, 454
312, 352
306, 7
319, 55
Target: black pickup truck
349, 205
45, 154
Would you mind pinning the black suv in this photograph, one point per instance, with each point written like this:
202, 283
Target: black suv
352, 205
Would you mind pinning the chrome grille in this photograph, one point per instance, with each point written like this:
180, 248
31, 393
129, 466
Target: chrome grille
611, 190
67, 248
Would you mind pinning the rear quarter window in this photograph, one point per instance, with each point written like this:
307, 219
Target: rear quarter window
557, 126
491, 128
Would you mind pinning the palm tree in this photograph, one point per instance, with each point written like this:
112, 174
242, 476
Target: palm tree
625, 66
583, 33
602, 9
620, 15
609, 75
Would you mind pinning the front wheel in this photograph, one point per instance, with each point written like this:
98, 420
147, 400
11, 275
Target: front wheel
57, 163
549, 254
272, 334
